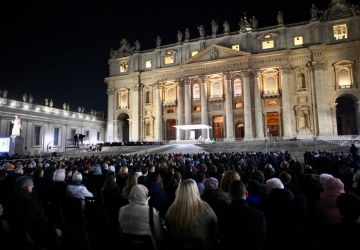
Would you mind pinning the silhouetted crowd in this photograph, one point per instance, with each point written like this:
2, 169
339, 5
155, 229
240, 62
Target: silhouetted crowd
227, 200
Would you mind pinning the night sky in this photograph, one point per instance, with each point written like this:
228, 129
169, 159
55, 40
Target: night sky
60, 49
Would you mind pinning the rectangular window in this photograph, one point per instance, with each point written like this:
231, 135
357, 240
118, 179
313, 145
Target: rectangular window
148, 64
124, 66
238, 105
169, 59
298, 40
197, 108
87, 134
235, 47
170, 111
56, 137
271, 103
268, 44
194, 53
98, 136
36, 136
340, 31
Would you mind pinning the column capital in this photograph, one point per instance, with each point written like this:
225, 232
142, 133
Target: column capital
256, 73
321, 65
227, 75
111, 91
201, 78
245, 73
287, 69
157, 85
137, 87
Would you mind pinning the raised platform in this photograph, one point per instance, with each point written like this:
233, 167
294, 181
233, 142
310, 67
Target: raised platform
189, 141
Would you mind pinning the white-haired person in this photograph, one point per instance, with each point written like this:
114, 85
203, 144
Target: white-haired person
134, 218
191, 217
76, 189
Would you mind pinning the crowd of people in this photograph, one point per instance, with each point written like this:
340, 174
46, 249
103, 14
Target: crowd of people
228, 200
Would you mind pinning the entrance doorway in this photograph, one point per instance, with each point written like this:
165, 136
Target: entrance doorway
346, 116
218, 124
123, 128
239, 131
170, 129
272, 121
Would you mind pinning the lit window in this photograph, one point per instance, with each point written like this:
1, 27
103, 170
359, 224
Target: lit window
270, 84
298, 40
238, 105
340, 32
344, 77
57, 137
271, 103
235, 47
196, 91
268, 44
217, 89
300, 82
169, 59
124, 66
193, 53
171, 94
123, 100
36, 136
197, 108
170, 111
237, 88
148, 64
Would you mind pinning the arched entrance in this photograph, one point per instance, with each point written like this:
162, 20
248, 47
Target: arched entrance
123, 127
346, 116
239, 131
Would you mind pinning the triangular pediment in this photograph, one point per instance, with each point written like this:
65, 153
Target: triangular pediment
216, 52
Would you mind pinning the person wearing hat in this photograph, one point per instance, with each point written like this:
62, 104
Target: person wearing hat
134, 218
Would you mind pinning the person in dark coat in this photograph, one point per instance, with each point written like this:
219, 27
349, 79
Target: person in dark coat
241, 226
158, 196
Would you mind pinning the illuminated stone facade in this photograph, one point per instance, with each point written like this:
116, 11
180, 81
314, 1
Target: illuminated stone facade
289, 80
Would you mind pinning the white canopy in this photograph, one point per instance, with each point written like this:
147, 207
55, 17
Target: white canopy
192, 126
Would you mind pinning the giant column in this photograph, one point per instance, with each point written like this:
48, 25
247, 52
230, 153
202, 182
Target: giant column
247, 106
229, 109
204, 109
322, 107
110, 121
180, 108
158, 108
286, 82
135, 108
259, 126
187, 86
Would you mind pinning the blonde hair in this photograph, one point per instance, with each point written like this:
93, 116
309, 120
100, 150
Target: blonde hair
184, 213
227, 178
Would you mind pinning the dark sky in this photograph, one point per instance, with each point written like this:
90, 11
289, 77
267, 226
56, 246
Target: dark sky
60, 49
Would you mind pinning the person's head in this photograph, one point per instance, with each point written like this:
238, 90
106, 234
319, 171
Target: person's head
131, 180
76, 178
257, 175
227, 178
184, 212
139, 195
285, 177
333, 186
211, 183
273, 183
324, 177
24, 183
254, 188
59, 175
123, 170
349, 206
237, 190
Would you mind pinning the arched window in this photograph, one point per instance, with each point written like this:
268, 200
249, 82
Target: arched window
196, 91
300, 82
148, 97
123, 100
270, 84
216, 88
237, 88
171, 94
344, 77
148, 129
